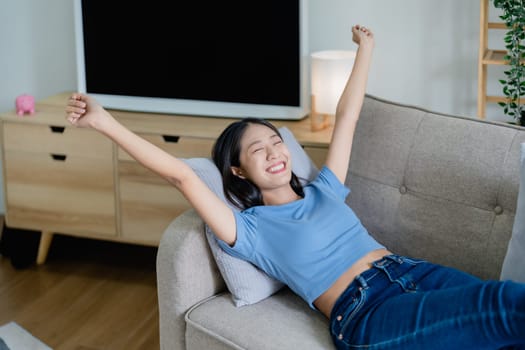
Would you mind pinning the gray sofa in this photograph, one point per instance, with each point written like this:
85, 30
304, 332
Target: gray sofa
427, 185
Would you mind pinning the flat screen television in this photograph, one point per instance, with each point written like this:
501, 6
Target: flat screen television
206, 57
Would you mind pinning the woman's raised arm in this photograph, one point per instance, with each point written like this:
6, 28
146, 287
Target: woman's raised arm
83, 111
349, 105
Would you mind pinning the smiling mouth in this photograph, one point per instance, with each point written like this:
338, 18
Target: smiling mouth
277, 168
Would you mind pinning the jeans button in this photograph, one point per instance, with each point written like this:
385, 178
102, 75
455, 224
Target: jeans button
339, 318
340, 336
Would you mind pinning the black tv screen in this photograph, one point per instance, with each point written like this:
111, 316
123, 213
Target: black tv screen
226, 59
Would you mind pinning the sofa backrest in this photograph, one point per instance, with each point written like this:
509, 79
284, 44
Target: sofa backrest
436, 186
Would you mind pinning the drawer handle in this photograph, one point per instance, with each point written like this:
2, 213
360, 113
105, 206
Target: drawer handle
57, 129
59, 157
170, 138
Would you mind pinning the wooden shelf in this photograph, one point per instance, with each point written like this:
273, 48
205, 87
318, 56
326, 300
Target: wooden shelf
487, 57
497, 25
494, 57
496, 99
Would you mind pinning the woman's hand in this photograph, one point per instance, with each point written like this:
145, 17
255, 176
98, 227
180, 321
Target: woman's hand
85, 112
349, 105
362, 36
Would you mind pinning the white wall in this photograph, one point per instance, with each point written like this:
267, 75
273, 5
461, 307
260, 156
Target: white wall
36, 42
36, 51
426, 51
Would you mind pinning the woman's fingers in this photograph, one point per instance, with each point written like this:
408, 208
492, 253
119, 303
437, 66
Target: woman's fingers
76, 102
76, 96
363, 29
75, 109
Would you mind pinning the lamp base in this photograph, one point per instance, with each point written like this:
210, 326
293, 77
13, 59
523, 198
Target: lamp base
318, 121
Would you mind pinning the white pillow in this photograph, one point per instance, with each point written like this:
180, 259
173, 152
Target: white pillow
514, 262
246, 283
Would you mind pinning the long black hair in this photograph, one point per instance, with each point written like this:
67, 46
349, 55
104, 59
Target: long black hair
226, 154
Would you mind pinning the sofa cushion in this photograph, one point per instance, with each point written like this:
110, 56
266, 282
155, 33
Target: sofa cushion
435, 186
514, 263
246, 282
254, 327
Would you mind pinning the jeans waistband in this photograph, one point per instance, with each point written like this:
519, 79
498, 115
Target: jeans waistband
363, 279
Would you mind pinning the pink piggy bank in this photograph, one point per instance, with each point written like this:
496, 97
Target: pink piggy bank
25, 104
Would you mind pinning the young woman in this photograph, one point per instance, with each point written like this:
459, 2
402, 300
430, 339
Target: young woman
312, 241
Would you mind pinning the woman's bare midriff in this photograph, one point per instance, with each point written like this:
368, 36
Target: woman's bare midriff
326, 301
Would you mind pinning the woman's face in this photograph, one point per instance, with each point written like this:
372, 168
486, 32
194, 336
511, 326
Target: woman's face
264, 158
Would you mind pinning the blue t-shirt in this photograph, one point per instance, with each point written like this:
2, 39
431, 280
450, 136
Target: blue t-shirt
306, 244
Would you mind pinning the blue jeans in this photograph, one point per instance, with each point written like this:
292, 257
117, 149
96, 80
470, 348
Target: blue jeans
404, 303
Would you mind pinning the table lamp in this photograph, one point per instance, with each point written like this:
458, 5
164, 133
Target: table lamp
329, 73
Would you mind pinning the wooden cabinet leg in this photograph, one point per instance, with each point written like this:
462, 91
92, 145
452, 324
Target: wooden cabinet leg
43, 248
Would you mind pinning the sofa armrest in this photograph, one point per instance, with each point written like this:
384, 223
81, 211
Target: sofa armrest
186, 274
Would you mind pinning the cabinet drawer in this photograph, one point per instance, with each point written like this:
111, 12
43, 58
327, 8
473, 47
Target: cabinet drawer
180, 147
56, 139
69, 194
148, 203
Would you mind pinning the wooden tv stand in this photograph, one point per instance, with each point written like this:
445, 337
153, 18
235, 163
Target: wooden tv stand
72, 181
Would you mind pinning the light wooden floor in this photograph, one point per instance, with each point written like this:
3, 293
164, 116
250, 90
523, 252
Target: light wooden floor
89, 295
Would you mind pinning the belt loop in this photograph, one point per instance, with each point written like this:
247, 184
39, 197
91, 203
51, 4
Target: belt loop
362, 281
396, 258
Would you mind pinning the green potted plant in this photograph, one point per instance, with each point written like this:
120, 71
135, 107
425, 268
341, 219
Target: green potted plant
514, 84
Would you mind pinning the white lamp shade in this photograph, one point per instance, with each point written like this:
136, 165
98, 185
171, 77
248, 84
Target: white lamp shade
330, 71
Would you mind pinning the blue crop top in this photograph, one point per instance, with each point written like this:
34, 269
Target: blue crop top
306, 244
